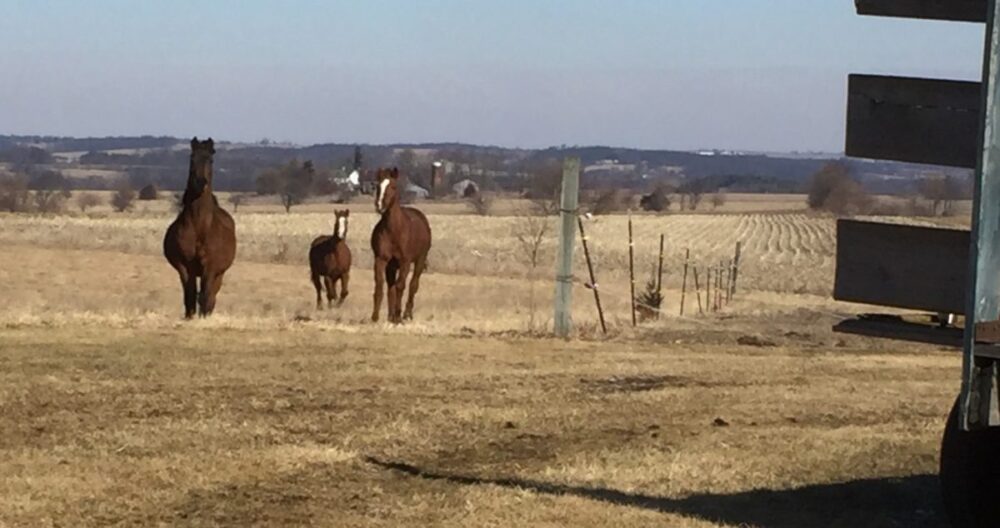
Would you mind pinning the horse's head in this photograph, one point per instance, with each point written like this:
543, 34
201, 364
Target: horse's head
387, 192
340, 223
200, 175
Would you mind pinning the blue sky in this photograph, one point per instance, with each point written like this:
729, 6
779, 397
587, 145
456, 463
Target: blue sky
684, 74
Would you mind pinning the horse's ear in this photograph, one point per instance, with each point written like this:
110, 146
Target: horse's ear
194, 142
211, 145
395, 173
347, 212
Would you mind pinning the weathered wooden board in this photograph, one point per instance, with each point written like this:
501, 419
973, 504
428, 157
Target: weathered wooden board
913, 120
958, 10
917, 268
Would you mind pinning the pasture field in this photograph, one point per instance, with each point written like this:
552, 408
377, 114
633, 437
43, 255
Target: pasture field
114, 411
205, 425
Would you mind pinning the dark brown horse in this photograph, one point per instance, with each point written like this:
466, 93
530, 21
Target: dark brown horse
400, 240
330, 261
201, 243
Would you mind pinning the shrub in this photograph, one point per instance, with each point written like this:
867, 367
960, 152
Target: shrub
609, 201
123, 198
832, 189
50, 200
718, 199
87, 200
148, 192
656, 201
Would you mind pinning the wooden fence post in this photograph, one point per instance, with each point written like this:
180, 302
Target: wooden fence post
736, 269
684, 281
593, 279
564, 267
631, 267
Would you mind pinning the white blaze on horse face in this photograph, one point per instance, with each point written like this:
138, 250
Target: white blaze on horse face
342, 228
382, 186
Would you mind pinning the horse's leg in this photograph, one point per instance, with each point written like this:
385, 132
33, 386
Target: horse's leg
391, 276
404, 270
319, 291
380, 272
210, 286
331, 290
343, 287
190, 285
418, 269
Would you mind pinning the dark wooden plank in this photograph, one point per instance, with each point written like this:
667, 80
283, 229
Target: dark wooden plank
917, 268
901, 330
957, 10
913, 120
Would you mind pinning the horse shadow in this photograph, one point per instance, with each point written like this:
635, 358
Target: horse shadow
911, 502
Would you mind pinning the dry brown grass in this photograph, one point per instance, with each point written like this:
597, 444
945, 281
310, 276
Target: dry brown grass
115, 412
783, 252
302, 426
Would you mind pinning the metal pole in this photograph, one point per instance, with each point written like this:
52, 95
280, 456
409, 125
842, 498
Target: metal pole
684, 282
729, 282
659, 271
718, 287
697, 290
979, 384
659, 278
709, 276
564, 268
736, 268
593, 280
631, 266
720, 284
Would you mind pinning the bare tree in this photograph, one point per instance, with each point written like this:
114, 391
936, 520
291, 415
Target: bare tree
693, 191
236, 199
87, 200
942, 192
293, 182
14, 194
718, 199
531, 232
544, 185
51, 189
123, 198
480, 203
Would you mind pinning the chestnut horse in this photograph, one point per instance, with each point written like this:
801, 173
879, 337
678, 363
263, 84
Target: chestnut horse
202, 240
330, 261
401, 239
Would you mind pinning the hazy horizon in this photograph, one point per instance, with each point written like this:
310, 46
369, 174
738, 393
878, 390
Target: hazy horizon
759, 76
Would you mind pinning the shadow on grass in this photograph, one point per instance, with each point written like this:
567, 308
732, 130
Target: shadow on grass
911, 502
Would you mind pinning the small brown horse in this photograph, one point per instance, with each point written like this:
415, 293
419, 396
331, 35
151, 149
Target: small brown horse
401, 239
202, 240
330, 261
